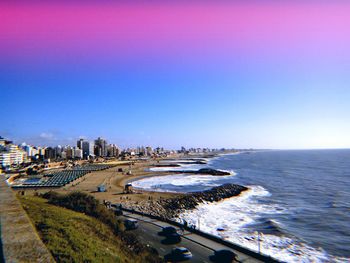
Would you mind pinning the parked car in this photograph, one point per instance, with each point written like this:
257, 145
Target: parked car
224, 256
167, 231
178, 254
131, 224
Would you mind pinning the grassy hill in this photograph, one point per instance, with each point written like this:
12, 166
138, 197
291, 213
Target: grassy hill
75, 237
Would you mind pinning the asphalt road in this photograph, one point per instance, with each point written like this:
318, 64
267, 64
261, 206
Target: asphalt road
200, 247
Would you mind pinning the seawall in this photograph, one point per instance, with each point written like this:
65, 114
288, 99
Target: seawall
19, 239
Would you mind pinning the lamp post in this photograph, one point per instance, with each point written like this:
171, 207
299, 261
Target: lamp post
258, 234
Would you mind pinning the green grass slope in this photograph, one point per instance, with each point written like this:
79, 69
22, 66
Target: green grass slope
74, 237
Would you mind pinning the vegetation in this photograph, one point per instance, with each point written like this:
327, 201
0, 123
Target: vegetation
87, 204
91, 235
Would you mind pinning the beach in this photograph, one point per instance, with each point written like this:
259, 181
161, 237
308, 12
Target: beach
149, 201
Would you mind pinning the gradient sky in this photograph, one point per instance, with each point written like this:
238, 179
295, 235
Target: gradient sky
261, 74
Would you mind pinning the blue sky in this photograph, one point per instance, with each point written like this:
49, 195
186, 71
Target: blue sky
196, 115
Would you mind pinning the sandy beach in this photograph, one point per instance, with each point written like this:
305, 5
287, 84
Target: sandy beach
153, 202
115, 182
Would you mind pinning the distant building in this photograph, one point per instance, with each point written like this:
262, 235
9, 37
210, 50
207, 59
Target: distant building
58, 150
159, 150
4, 142
69, 153
63, 154
12, 155
50, 153
28, 149
35, 152
88, 149
149, 151
78, 153
41, 152
113, 150
101, 147
80, 143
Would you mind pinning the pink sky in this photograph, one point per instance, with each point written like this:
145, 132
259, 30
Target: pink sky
168, 29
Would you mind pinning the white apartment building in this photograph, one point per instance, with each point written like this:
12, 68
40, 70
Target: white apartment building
12, 155
78, 153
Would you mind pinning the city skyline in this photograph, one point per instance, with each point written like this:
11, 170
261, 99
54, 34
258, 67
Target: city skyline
235, 75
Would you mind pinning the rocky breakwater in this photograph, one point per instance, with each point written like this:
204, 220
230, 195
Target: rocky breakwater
172, 207
206, 171
193, 162
166, 165
188, 202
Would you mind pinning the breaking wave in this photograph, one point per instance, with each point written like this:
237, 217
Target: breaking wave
236, 219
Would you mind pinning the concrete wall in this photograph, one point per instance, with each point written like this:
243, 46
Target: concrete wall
19, 239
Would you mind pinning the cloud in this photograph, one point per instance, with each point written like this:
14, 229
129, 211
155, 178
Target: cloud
47, 136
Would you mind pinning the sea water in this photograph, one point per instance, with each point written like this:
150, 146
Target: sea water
298, 202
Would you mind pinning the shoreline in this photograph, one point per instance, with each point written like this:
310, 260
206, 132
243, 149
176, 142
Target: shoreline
142, 199
170, 204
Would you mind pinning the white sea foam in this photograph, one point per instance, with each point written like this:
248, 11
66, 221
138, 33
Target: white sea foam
180, 161
230, 218
182, 167
156, 183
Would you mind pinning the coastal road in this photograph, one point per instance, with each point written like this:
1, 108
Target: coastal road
201, 248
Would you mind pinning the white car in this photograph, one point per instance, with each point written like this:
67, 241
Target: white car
179, 254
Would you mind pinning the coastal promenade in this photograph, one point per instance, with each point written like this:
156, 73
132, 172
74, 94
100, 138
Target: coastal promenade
200, 245
19, 239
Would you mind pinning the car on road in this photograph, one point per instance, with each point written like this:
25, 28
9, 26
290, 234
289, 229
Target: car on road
117, 208
224, 256
178, 254
167, 231
131, 224
172, 238
118, 212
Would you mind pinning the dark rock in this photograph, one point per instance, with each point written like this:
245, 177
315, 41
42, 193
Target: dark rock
190, 201
166, 165
208, 171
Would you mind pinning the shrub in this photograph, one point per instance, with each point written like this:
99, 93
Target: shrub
87, 204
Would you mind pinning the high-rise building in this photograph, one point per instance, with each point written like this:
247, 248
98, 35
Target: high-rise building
149, 151
28, 149
41, 152
80, 143
88, 149
58, 150
100, 147
69, 153
35, 152
63, 154
112, 150
78, 153
50, 153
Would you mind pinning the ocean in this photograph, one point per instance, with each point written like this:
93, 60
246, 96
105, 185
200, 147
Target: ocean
298, 201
